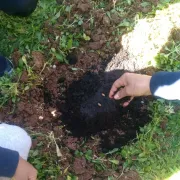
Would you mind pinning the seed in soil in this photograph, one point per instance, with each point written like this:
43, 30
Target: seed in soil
99, 104
54, 113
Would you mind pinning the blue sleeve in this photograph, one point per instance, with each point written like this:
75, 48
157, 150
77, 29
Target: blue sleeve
8, 162
18, 7
166, 85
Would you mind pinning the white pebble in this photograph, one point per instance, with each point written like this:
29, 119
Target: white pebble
41, 117
54, 66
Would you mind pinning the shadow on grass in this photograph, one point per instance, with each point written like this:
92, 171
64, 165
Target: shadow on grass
169, 57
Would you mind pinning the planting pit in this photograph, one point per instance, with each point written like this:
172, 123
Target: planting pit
88, 110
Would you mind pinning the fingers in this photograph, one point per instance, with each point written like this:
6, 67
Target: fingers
128, 102
117, 84
120, 94
33, 175
32, 178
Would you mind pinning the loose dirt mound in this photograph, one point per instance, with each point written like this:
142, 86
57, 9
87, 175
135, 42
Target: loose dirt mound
75, 97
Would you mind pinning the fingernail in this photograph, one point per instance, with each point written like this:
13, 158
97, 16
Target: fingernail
116, 96
125, 104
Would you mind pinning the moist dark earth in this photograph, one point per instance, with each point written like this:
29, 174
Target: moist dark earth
82, 111
72, 99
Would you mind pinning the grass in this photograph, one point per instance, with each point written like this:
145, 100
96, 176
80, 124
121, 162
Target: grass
101, 161
156, 154
44, 160
170, 60
8, 90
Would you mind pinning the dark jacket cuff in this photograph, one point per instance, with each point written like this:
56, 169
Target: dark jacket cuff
8, 162
161, 79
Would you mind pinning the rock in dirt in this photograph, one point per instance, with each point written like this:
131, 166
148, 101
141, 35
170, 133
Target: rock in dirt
71, 143
34, 143
79, 166
24, 77
86, 25
38, 59
95, 45
84, 7
2, 115
130, 175
59, 1
21, 106
115, 18
106, 21
98, 14
88, 175
176, 35
32, 120
146, 9
96, 37
15, 58
29, 109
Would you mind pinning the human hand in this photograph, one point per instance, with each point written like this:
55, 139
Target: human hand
130, 84
25, 171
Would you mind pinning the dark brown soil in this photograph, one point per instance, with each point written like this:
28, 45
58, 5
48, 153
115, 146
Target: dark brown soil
77, 101
72, 100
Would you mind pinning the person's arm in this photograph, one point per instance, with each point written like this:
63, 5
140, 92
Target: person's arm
8, 162
162, 84
166, 85
12, 165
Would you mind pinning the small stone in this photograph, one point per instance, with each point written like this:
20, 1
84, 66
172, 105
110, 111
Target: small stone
41, 117
54, 113
106, 21
103, 94
54, 66
38, 59
84, 7
95, 45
